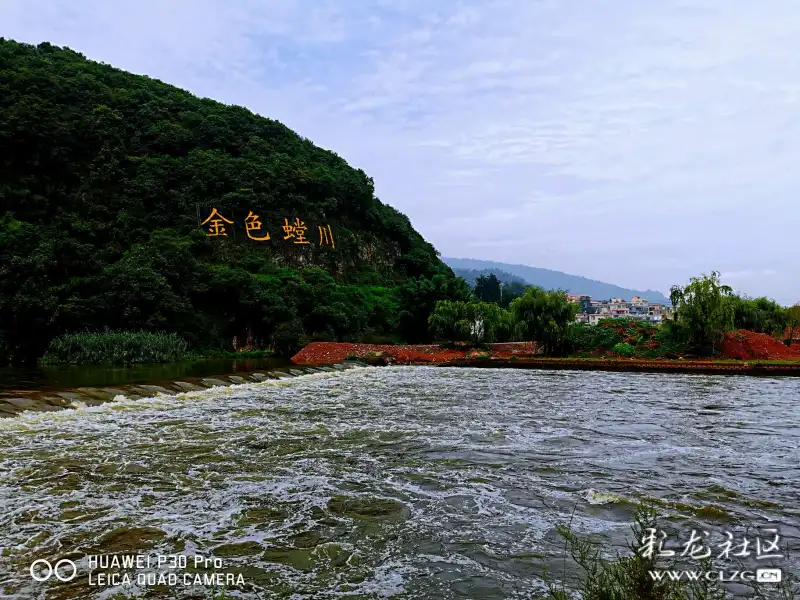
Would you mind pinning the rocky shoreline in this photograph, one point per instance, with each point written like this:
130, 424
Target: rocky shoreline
16, 402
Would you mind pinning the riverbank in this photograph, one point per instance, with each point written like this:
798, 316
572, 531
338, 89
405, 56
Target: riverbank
16, 401
522, 355
329, 356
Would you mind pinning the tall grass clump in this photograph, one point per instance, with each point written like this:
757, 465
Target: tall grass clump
115, 347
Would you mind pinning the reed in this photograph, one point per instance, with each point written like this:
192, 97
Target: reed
115, 347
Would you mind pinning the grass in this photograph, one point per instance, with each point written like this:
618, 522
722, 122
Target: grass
628, 577
115, 347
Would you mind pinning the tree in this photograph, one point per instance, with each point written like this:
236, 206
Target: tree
544, 317
511, 291
487, 288
793, 322
704, 311
417, 299
761, 315
448, 322
478, 322
485, 319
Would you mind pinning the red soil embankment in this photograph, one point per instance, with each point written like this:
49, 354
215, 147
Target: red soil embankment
748, 345
321, 353
739, 345
792, 333
522, 356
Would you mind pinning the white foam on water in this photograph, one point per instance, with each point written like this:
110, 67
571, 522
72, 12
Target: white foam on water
261, 462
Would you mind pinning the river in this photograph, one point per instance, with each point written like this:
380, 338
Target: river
394, 482
52, 378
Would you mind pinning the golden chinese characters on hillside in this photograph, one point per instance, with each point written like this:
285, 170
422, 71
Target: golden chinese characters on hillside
216, 225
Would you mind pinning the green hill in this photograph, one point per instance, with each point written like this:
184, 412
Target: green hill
555, 280
107, 179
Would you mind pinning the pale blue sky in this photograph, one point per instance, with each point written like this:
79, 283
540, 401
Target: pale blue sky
639, 142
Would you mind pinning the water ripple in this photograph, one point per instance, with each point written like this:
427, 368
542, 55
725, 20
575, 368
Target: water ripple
406, 482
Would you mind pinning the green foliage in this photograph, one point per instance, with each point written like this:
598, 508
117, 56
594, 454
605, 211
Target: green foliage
672, 342
472, 275
115, 347
628, 337
603, 336
487, 288
793, 322
478, 322
417, 299
545, 318
103, 175
505, 327
761, 315
704, 308
623, 349
511, 291
447, 321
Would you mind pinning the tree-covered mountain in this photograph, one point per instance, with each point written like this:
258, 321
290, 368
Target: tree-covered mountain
554, 280
472, 275
112, 185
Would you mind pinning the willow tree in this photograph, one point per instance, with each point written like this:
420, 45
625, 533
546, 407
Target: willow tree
544, 317
478, 322
703, 310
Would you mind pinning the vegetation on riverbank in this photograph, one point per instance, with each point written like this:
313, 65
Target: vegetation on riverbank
106, 179
115, 347
705, 311
130, 347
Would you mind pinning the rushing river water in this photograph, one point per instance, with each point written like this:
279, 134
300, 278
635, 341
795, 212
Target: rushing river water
395, 482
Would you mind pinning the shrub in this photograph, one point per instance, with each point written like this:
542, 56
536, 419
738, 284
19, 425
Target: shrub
115, 347
623, 349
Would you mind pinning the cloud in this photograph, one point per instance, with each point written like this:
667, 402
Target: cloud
637, 143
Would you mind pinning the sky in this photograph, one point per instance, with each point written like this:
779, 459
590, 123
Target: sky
635, 142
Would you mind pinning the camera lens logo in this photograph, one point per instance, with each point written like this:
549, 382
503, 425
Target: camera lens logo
769, 575
64, 570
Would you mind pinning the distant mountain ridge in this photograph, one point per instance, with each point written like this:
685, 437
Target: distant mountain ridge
471, 275
551, 280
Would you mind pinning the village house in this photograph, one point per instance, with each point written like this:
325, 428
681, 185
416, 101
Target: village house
617, 308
